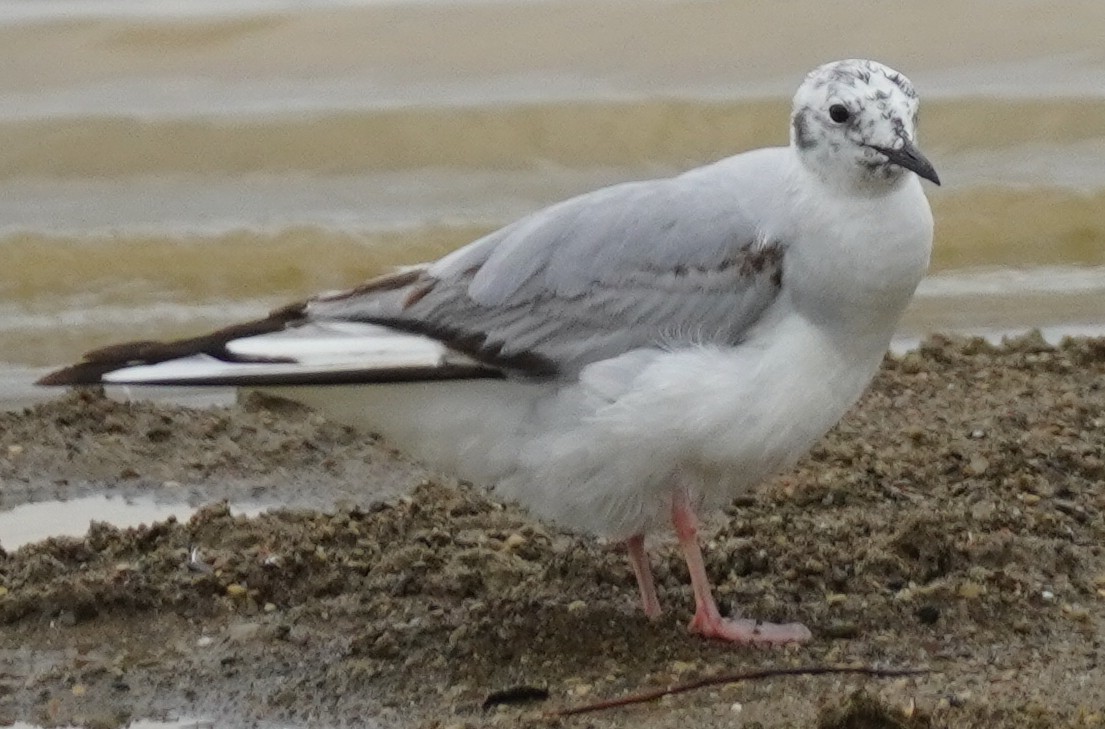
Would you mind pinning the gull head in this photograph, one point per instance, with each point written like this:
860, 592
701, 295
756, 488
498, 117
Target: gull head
854, 124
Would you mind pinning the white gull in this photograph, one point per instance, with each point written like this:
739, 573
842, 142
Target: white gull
628, 358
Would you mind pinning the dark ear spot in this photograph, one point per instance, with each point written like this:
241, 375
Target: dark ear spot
803, 136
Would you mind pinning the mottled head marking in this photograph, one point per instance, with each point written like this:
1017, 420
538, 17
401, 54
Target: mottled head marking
803, 136
854, 123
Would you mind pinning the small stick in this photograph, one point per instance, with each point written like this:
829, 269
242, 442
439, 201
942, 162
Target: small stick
654, 694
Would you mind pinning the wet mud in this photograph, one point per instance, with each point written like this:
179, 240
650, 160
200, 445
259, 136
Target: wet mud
954, 521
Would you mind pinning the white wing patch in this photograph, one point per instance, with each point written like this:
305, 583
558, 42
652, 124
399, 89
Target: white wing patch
314, 353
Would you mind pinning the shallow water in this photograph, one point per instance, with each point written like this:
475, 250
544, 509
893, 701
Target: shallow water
170, 167
34, 522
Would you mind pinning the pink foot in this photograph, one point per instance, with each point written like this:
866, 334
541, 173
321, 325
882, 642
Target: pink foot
638, 558
749, 632
707, 620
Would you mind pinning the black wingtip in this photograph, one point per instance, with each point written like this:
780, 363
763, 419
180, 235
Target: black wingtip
99, 362
77, 374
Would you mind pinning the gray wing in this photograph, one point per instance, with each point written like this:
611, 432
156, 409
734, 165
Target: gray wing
658, 263
641, 264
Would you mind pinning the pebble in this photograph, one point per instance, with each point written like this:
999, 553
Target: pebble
681, 667
1076, 612
960, 698
971, 590
983, 510
977, 466
580, 690
204, 641
243, 632
459, 633
15, 450
928, 614
576, 605
235, 590
514, 541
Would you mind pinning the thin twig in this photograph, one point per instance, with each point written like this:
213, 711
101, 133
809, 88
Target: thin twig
645, 696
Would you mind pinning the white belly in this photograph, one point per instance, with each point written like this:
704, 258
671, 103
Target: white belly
604, 455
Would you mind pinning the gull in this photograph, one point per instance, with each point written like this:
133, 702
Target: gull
630, 358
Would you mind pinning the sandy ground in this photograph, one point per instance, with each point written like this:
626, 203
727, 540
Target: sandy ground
955, 520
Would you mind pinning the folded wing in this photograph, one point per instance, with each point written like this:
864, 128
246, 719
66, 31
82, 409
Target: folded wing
646, 264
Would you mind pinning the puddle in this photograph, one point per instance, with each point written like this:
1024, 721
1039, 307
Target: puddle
34, 522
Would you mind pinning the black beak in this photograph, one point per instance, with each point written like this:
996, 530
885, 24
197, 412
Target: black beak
908, 157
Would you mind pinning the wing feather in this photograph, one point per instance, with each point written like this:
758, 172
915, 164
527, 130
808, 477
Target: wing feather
638, 265
634, 265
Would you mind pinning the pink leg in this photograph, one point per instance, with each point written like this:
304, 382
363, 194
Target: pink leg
707, 619
638, 558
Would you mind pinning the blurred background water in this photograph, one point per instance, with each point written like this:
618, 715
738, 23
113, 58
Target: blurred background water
171, 166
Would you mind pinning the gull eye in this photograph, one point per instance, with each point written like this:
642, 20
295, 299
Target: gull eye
839, 113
